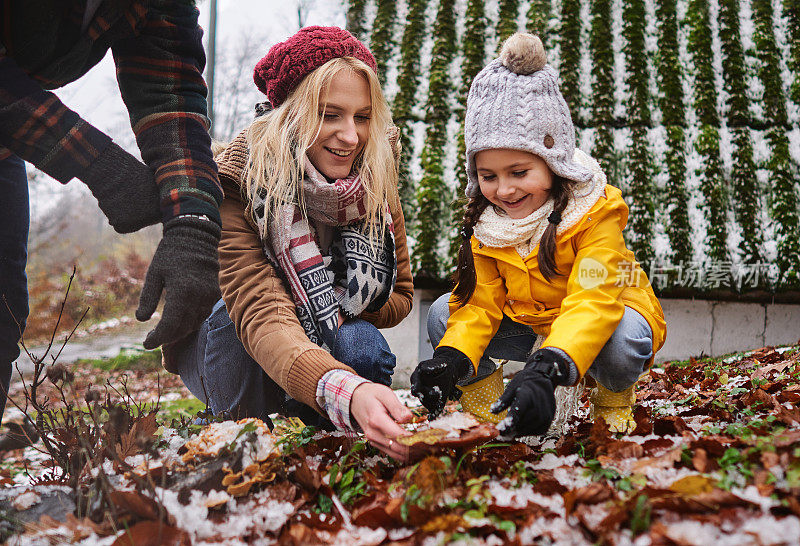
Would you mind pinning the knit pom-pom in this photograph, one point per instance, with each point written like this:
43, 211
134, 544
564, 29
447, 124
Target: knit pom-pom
523, 53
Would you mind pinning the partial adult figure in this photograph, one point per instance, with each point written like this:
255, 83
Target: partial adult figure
313, 252
158, 52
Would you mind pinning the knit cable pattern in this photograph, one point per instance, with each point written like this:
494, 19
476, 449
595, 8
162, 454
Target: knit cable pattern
520, 112
288, 62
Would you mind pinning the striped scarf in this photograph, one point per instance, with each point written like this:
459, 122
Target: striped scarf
355, 279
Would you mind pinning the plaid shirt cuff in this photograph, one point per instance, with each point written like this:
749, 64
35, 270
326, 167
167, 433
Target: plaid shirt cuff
334, 392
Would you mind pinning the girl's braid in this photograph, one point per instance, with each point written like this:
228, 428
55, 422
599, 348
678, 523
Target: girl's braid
561, 191
465, 276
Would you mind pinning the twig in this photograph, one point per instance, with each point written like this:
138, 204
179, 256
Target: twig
69, 336
345, 516
60, 312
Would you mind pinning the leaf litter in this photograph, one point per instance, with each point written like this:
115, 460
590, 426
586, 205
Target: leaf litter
715, 458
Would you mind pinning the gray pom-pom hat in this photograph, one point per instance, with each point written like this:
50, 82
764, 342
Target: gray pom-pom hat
515, 103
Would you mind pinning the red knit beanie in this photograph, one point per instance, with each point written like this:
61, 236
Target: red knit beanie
287, 63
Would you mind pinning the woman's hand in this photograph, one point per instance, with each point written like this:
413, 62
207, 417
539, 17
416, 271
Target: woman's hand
377, 411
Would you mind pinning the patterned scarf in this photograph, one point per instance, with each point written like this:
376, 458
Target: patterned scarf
354, 279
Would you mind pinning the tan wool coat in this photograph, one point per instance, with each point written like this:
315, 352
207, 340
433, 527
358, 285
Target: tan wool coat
261, 307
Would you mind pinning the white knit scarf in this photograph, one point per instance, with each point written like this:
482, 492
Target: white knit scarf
495, 229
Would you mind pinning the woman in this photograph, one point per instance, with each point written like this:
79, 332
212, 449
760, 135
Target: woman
313, 252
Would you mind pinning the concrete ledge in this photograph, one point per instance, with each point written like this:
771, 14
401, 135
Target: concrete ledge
782, 324
690, 325
736, 325
404, 341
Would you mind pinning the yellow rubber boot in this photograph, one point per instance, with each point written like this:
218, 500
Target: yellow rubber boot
478, 397
615, 407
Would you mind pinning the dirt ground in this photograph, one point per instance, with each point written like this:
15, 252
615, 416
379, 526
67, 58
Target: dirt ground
715, 458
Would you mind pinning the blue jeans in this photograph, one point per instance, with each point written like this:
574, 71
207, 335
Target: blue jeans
14, 222
216, 368
618, 365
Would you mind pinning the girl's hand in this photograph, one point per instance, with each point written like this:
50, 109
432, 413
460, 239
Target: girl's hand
377, 411
530, 395
434, 380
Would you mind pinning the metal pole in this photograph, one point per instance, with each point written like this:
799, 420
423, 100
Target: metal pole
212, 57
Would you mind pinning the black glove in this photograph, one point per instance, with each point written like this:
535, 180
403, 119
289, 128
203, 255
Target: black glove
186, 266
434, 381
531, 395
125, 189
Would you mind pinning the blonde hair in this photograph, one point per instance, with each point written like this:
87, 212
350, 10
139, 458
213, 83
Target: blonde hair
278, 142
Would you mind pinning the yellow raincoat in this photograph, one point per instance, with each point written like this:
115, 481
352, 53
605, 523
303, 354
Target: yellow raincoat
578, 310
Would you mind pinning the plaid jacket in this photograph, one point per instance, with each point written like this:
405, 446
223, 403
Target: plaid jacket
158, 52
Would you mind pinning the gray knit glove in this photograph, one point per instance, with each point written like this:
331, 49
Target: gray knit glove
125, 190
186, 266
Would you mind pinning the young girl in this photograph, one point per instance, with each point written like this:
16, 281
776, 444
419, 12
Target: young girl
313, 256
542, 255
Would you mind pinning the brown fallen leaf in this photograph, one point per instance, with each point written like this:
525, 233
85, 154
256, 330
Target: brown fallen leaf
759, 396
667, 460
769, 459
671, 425
786, 438
760, 479
497, 460
416, 516
471, 438
789, 395
656, 444
153, 533
136, 503
692, 485
766, 355
141, 435
700, 460
429, 436
591, 494
622, 449
448, 523
644, 423
429, 441
794, 505
80, 528
616, 516
429, 477
546, 484
311, 480
711, 445
719, 498
298, 534
566, 445
600, 433
372, 513
764, 371
788, 416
